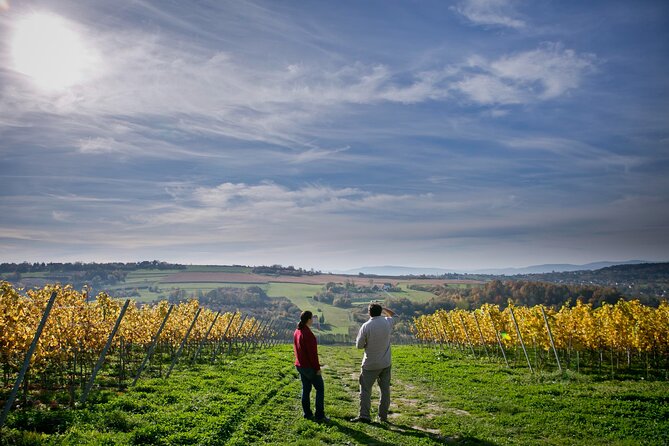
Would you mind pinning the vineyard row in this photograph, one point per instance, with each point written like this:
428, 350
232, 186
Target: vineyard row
627, 329
66, 338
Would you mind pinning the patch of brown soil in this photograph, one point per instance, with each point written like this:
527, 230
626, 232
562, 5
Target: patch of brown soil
318, 279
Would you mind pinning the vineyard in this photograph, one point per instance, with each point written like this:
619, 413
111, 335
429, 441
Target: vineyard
69, 340
626, 334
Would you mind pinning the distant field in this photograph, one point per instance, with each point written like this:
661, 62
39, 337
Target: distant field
300, 294
299, 289
318, 279
413, 295
218, 269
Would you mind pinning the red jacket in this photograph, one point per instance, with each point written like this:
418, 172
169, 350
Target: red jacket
306, 349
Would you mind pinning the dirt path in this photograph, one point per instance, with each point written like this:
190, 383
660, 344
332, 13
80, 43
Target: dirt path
412, 406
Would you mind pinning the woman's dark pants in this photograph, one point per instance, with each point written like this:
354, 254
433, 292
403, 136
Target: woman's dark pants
310, 378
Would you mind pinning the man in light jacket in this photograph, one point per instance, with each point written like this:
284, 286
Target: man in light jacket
374, 337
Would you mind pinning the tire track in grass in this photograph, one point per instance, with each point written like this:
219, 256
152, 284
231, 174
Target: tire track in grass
411, 406
252, 429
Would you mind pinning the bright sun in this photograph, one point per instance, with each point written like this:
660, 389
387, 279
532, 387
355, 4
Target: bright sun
45, 48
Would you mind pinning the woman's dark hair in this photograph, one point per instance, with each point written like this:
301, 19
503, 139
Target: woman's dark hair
304, 318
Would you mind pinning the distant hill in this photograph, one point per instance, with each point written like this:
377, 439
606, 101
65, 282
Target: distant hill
534, 269
557, 267
644, 280
397, 271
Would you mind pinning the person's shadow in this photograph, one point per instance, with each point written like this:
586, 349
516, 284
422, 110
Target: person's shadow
364, 438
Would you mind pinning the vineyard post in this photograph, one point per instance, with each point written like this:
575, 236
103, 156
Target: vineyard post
26, 361
432, 336
274, 335
522, 344
442, 332
260, 333
183, 342
471, 346
153, 346
217, 348
279, 333
267, 334
204, 340
101, 359
253, 335
236, 335
499, 341
550, 336
481, 334
288, 332
450, 319
419, 334
254, 328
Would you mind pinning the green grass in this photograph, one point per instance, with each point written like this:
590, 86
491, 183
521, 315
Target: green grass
218, 269
148, 275
413, 295
437, 398
338, 319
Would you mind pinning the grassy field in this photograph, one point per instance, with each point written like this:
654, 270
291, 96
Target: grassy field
338, 319
413, 295
437, 398
218, 269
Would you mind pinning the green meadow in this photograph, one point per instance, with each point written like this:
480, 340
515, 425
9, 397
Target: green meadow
438, 397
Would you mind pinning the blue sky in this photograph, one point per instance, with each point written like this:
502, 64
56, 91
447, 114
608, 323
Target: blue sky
466, 134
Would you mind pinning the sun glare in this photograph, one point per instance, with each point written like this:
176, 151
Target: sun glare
45, 48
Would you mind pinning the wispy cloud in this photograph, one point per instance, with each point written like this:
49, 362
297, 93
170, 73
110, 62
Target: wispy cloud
491, 12
271, 132
544, 73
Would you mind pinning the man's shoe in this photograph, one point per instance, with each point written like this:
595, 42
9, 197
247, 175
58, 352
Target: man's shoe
360, 420
381, 420
322, 420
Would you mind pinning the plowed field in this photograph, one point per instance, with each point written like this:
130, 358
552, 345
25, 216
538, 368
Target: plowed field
318, 279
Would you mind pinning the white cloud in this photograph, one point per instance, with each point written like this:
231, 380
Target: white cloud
489, 90
554, 69
586, 155
490, 12
61, 216
545, 73
98, 145
153, 92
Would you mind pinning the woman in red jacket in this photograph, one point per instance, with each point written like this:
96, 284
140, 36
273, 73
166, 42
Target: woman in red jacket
306, 362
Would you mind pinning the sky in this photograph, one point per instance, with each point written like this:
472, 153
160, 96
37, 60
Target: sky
334, 135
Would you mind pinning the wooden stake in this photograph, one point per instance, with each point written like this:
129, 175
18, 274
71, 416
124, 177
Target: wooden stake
183, 342
26, 361
499, 341
522, 344
481, 334
153, 346
471, 346
101, 359
206, 336
550, 336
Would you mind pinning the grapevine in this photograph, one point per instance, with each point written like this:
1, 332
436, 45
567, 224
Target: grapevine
624, 331
78, 327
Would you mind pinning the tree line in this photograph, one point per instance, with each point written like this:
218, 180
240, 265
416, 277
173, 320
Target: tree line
252, 301
497, 292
